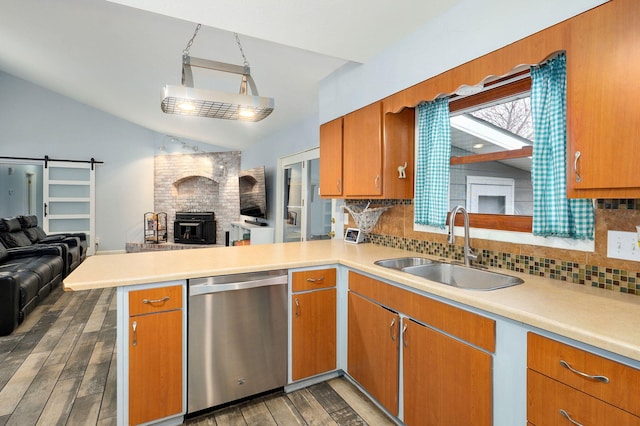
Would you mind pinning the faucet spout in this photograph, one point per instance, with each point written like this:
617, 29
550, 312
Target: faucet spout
469, 255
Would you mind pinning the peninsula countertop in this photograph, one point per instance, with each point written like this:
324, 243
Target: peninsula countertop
606, 319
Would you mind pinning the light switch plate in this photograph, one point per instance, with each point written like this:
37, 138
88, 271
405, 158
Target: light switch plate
623, 245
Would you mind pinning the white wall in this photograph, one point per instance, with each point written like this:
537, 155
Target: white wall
470, 29
297, 138
35, 122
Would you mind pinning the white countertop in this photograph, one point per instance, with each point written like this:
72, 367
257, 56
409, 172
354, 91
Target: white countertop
606, 319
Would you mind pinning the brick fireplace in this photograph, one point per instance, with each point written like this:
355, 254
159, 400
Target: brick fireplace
201, 182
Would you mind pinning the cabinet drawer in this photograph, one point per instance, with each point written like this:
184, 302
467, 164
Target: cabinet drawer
312, 280
545, 355
546, 397
473, 328
155, 300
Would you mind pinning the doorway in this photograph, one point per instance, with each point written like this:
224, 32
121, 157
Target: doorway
302, 215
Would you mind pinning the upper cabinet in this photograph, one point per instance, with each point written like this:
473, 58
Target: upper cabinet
362, 148
331, 155
376, 154
603, 130
603, 63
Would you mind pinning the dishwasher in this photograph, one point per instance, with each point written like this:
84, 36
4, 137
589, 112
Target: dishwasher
237, 337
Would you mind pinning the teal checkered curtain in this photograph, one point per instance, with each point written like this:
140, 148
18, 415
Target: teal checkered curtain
553, 213
432, 169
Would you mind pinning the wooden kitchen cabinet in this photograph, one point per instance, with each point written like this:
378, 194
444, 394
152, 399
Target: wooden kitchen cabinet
314, 322
446, 381
155, 351
603, 64
373, 146
373, 351
553, 386
331, 158
447, 364
362, 150
313, 333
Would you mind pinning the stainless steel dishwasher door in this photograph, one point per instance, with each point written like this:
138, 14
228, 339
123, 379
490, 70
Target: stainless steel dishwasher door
237, 337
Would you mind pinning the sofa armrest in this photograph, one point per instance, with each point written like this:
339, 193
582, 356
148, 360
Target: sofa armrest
71, 241
19, 252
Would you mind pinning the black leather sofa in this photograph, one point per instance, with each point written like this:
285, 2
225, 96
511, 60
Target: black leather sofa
27, 276
32, 263
23, 231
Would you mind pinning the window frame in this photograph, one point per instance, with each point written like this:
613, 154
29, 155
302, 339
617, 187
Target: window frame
517, 223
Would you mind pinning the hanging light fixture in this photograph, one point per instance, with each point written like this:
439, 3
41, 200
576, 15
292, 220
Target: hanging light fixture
187, 100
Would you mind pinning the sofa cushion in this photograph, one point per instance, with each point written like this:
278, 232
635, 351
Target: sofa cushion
15, 239
28, 221
31, 229
11, 224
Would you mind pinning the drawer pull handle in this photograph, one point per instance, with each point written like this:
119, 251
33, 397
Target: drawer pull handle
297, 307
135, 334
575, 166
568, 417
404, 334
603, 379
315, 280
151, 302
393, 323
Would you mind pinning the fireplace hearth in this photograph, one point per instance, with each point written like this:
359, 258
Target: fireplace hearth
194, 228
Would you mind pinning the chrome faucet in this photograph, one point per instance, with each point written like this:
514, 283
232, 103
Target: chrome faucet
469, 255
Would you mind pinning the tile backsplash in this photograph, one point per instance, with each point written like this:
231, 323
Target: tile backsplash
395, 229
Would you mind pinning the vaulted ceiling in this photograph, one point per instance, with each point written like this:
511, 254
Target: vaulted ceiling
117, 55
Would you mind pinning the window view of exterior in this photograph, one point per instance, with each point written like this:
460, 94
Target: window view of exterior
486, 183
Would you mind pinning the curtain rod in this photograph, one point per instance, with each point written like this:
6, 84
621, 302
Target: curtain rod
46, 160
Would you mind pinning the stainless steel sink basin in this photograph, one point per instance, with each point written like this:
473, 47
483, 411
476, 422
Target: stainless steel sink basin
463, 276
404, 262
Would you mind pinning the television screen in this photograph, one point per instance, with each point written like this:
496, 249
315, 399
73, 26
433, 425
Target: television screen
253, 193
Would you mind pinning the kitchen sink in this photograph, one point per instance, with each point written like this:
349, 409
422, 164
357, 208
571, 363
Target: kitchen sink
463, 276
404, 262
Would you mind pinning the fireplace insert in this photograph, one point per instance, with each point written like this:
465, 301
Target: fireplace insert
194, 228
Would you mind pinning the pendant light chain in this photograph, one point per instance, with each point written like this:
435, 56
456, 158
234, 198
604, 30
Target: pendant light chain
186, 49
246, 63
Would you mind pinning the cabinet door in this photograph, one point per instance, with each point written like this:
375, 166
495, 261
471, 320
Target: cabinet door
398, 145
155, 366
363, 152
331, 158
313, 333
373, 334
603, 64
446, 381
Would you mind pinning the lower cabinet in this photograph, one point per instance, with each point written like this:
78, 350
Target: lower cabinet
567, 385
446, 380
155, 354
313, 333
373, 350
313, 323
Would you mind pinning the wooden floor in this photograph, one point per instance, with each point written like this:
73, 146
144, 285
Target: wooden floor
59, 368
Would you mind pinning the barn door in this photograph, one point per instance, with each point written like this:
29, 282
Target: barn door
69, 199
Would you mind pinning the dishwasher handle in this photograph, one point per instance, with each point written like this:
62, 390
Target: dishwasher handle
206, 288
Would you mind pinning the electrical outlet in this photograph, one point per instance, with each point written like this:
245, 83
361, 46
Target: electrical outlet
623, 245
97, 240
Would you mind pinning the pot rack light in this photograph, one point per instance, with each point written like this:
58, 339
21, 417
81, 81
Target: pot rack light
188, 100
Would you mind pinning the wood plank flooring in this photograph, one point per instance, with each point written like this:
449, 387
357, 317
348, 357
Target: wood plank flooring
59, 368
